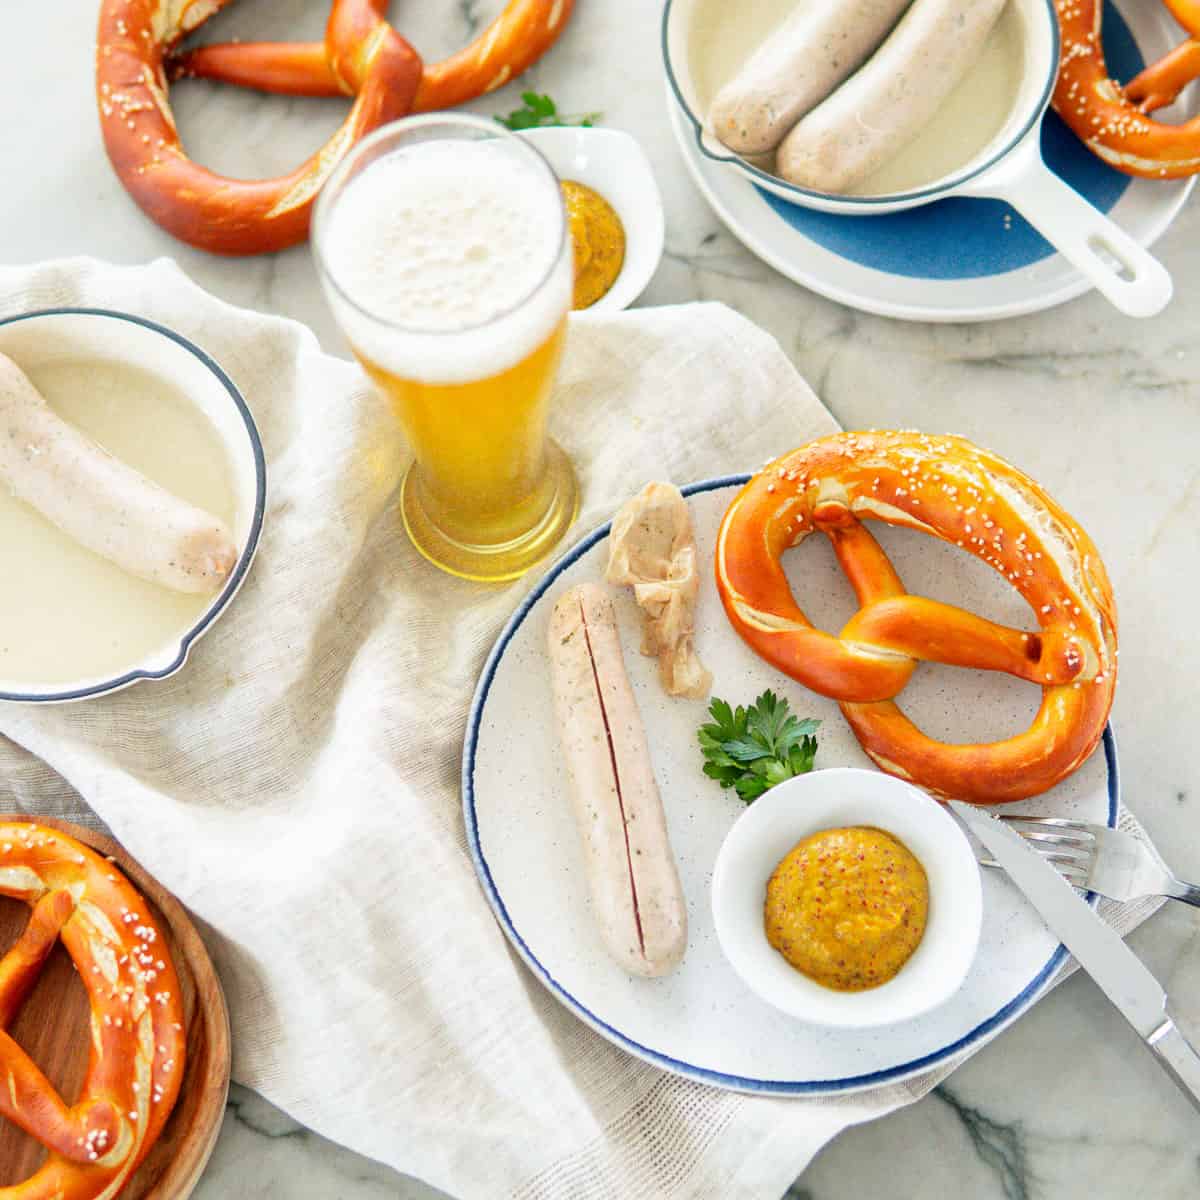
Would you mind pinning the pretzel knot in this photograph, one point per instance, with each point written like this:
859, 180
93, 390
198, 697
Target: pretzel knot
947, 487
137, 1051
361, 56
1112, 121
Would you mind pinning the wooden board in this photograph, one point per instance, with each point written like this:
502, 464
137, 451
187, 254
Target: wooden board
52, 1027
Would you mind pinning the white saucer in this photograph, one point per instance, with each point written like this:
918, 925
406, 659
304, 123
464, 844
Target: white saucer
959, 260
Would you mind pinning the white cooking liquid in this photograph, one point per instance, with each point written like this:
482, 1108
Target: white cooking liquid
969, 119
67, 614
724, 36
443, 243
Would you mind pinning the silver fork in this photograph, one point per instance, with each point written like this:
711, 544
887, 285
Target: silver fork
1095, 858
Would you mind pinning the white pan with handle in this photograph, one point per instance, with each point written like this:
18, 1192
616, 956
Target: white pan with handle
1010, 168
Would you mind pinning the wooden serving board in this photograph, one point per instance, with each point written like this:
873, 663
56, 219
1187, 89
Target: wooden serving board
52, 1027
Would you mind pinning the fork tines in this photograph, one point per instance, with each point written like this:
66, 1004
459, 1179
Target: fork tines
1069, 845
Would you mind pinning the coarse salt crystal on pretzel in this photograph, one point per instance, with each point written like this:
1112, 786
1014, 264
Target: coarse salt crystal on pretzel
947, 487
137, 1039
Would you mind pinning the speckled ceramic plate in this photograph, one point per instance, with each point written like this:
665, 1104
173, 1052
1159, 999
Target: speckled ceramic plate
959, 259
702, 1021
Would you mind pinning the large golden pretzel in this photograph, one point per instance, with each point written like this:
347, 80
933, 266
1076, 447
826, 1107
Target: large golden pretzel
1112, 121
947, 487
362, 56
137, 1035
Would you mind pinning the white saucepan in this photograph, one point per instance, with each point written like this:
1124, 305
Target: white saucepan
1010, 167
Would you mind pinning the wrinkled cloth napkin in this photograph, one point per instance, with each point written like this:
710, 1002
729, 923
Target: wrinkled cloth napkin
297, 784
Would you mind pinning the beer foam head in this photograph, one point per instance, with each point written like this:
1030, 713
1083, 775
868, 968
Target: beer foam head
448, 259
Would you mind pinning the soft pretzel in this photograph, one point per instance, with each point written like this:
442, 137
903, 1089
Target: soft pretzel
1113, 122
232, 216
361, 56
513, 42
947, 487
137, 1035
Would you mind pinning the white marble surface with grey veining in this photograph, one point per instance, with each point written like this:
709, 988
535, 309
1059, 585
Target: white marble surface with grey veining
1104, 410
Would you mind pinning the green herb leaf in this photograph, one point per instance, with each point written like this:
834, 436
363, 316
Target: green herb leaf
540, 112
753, 749
745, 750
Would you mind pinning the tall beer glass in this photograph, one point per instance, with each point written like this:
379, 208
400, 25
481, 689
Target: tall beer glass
443, 247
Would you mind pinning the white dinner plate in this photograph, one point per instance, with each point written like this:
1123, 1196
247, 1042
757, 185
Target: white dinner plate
701, 1021
959, 259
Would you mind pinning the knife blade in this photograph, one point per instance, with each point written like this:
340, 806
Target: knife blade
1097, 947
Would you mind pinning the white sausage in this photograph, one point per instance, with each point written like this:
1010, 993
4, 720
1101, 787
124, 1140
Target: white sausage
101, 502
887, 103
798, 65
637, 899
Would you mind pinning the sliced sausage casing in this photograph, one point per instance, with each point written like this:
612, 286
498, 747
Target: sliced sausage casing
796, 67
881, 108
101, 502
636, 895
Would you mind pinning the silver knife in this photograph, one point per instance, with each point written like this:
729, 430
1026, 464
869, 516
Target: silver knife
1098, 948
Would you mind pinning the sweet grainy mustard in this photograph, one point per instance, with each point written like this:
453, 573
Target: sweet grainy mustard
847, 907
599, 239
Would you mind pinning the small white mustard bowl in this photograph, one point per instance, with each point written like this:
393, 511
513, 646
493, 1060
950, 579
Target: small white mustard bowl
836, 799
613, 164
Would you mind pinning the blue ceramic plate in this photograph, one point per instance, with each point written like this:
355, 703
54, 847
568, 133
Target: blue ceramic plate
702, 1021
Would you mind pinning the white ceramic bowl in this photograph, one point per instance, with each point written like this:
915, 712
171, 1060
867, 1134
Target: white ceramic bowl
614, 164
834, 799
41, 339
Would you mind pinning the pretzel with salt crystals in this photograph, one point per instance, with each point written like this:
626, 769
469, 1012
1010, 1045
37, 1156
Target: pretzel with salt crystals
137, 1036
947, 487
1113, 122
361, 56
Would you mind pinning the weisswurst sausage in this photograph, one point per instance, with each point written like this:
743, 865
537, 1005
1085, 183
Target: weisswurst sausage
818, 46
887, 102
101, 502
637, 899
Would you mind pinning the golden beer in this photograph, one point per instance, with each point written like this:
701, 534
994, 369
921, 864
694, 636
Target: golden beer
444, 252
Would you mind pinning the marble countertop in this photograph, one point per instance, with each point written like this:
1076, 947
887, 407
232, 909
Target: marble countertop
1104, 410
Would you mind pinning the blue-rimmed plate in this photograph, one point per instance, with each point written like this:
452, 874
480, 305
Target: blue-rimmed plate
75, 626
959, 259
702, 1022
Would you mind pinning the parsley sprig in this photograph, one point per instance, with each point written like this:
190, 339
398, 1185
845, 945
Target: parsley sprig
752, 749
539, 112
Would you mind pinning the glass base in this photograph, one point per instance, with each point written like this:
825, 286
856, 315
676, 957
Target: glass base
499, 561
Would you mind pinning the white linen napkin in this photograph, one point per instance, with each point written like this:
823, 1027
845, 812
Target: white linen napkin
297, 784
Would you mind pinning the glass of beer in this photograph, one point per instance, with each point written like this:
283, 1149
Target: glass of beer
443, 247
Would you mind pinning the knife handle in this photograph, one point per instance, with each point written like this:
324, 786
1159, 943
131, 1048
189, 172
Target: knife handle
1178, 1057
